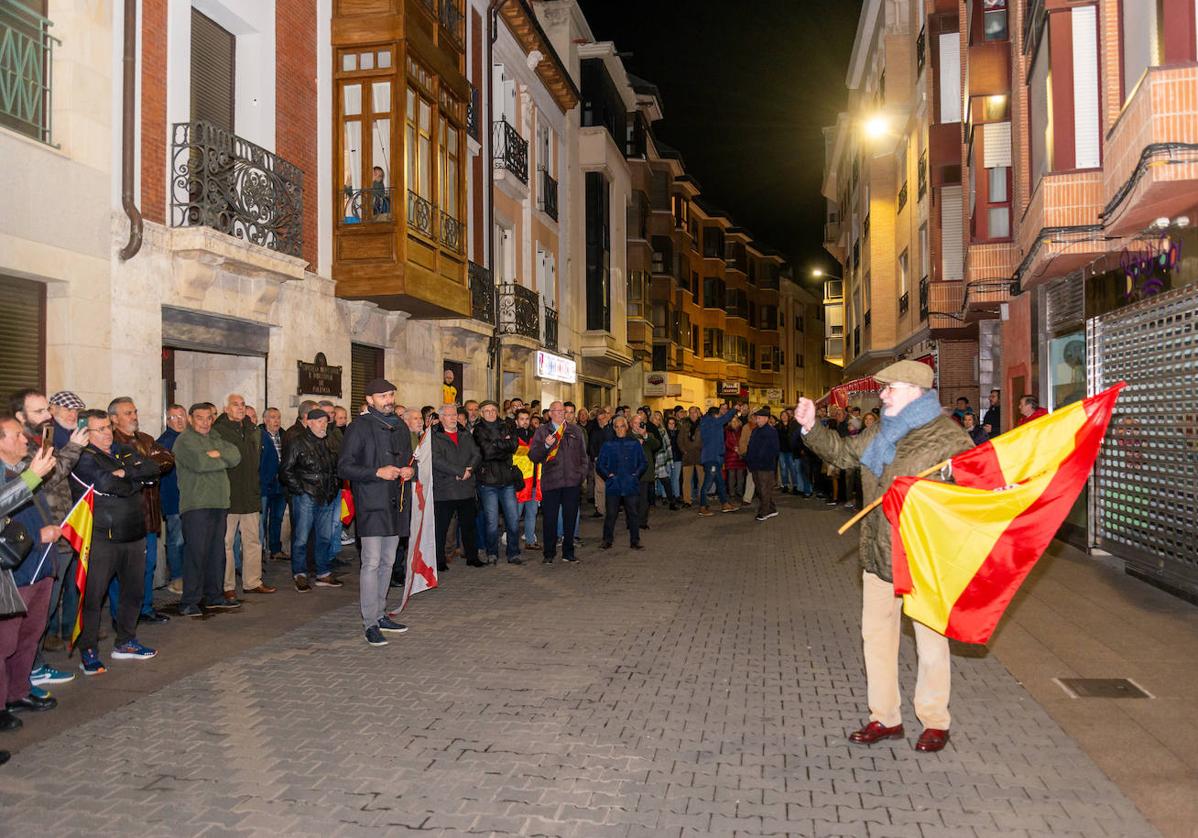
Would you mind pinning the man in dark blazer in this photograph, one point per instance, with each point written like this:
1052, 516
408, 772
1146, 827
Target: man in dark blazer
274, 496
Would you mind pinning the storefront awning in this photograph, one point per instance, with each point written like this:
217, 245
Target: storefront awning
842, 394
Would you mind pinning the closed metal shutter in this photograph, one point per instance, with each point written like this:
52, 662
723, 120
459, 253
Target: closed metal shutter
23, 336
1064, 304
213, 63
1146, 476
366, 363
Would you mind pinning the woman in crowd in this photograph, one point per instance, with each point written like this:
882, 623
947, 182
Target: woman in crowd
734, 465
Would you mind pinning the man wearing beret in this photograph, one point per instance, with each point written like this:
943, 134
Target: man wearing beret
761, 456
376, 458
913, 436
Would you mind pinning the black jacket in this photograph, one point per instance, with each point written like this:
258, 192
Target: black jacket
309, 468
118, 515
496, 443
449, 463
381, 507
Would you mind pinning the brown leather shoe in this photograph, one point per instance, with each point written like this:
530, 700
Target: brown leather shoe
230, 596
261, 589
875, 732
931, 740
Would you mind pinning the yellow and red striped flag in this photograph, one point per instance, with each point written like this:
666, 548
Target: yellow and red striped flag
556, 436
961, 550
347, 505
77, 530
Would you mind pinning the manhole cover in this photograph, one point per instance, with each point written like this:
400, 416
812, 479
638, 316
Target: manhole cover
1102, 688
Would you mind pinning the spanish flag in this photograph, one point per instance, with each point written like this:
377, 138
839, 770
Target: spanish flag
531, 490
556, 436
77, 530
961, 550
347, 505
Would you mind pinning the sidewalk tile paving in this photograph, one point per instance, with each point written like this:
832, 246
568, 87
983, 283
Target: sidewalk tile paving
702, 687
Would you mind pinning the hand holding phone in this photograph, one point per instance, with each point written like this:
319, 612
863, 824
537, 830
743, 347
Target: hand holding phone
47, 437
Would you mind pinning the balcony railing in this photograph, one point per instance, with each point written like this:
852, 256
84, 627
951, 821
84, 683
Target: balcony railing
923, 299
366, 206
474, 114
902, 197
548, 195
869, 317
550, 328
923, 174
519, 311
451, 232
221, 181
420, 214
482, 294
921, 50
26, 59
904, 302
865, 228
451, 21
511, 150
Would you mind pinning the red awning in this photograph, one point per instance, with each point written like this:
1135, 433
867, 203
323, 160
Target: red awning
842, 393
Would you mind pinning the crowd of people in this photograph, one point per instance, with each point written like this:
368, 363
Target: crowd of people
218, 483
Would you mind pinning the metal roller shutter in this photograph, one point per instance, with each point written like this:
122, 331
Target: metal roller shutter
366, 363
213, 55
23, 338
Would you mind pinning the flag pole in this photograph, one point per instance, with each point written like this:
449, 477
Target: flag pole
870, 508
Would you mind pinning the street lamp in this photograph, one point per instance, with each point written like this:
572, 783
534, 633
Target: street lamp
877, 126
820, 273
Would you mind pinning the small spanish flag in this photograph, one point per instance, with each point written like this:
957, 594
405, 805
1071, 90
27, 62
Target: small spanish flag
347, 506
962, 550
77, 530
556, 436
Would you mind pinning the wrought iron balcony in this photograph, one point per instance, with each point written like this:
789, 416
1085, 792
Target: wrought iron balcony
482, 294
511, 150
365, 206
222, 181
904, 302
923, 299
451, 21
474, 114
451, 232
923, 173
519, 311
869, 317
26, 56
921, 50
548, 195
420, 214
550, 328
902, 197
865, 228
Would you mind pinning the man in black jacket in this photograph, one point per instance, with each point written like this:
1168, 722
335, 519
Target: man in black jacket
309, 474
376, 457
496, 440
118, 545
455, 460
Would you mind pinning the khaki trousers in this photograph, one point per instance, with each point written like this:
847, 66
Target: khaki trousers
251, 552
688, 474
881, 628
600, 494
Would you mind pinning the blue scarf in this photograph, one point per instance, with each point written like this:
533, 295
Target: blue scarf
388, 419
881, 449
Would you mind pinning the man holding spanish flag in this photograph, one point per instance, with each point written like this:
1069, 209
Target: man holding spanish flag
912, 437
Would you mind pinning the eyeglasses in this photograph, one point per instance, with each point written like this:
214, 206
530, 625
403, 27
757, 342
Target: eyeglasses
897, 385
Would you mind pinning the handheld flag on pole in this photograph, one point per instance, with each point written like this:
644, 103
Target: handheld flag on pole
77, 530
347, 505
961, 550
421, 572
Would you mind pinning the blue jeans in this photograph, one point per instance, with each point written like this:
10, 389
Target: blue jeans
528, 514
577, 520
174, 545
789, 470
493, 497
676, 479
336, 528
270, 523
147, 599
713, 472
308, 515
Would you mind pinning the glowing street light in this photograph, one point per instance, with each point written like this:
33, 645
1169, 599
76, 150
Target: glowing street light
876, 127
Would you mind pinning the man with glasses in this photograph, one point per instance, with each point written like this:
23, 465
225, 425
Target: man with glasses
914, 435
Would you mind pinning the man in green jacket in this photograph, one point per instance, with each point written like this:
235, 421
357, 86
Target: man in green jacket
202, 461
245, 504
914, 435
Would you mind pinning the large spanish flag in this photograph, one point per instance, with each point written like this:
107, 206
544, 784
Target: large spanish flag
531, 490
77, 530
961, 550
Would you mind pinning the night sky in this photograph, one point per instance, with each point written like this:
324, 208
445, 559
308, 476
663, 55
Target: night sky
745, 88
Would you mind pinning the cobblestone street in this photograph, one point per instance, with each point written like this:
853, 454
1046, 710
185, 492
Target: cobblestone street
705, 686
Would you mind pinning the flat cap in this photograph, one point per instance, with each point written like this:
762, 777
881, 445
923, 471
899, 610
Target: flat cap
316, 413
67, 399
762, 411
907, 372
488, 402
376, 386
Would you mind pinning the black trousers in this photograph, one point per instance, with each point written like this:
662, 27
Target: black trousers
466, 509
631, 517
203, 556
552, 500
127, 562
645, 499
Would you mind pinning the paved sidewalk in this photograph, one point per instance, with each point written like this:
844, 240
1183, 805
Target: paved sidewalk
704, 686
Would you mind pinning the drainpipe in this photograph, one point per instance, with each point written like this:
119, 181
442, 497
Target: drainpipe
496, 342
128, 89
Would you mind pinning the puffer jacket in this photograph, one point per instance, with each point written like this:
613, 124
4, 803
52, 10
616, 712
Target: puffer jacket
118, 515
310, 468
920, 449
497, 443
690, 442
621, 463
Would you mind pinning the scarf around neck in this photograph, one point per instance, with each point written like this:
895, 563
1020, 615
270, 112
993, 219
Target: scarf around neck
388, 419
882, 448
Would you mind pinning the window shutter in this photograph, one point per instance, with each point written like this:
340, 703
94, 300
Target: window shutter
366, 364
213, 52
23, 338
950, 77
997, 144
952, 233
1087, 144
